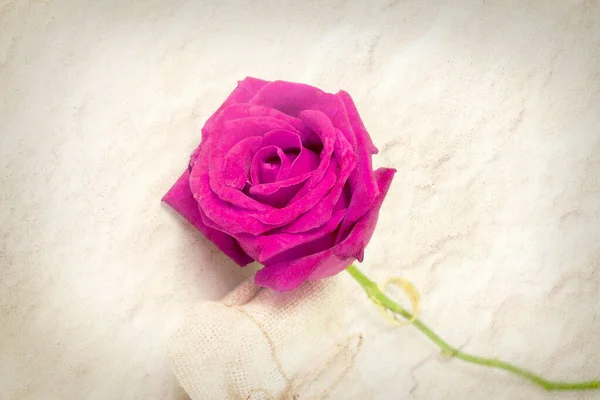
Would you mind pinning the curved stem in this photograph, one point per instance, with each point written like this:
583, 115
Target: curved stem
378, 297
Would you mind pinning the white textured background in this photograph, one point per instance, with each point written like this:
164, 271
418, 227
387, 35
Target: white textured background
490, 112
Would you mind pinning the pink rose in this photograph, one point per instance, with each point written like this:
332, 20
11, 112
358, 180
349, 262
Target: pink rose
283, 176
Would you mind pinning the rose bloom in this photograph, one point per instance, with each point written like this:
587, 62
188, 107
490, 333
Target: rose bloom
283, 176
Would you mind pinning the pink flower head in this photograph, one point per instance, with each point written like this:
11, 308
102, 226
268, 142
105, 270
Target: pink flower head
283, 176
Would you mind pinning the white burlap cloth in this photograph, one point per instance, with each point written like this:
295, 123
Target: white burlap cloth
260, 344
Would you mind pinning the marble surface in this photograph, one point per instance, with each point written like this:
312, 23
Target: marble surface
490, 111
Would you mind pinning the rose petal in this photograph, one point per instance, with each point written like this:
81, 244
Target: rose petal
289, 211
180, 198
322, 211
363, 185
344, 199
265, 189
340, 120
264, 248
194, 156
281, 197
237, 162
284, 172
299, 206
229, 218
245, 110
357, 240
288, 275
285, 140
292, 98
356, 122
266, 164
306, 162
234, 220
290, 143
244, 91
301, 170
217, 146
320, 124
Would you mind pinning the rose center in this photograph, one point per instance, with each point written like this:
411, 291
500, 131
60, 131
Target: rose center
267, 165
272, 162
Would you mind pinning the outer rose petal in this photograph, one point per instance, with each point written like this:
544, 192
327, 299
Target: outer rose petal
356, 122
180, 198
245, 110
360, 234
244, 91
293, 98
364, 188
288, 275
264, 247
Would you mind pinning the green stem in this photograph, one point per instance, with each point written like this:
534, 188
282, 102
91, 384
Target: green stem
378, 297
